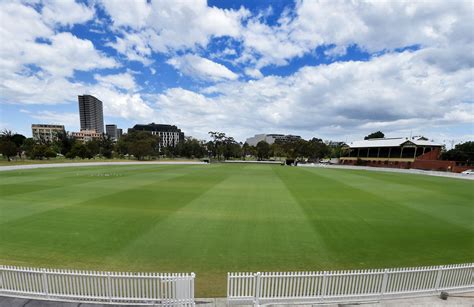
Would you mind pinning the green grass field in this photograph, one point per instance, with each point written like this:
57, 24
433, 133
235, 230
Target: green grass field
211, 219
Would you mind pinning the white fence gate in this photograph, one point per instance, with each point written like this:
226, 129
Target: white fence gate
347, 286
103, 287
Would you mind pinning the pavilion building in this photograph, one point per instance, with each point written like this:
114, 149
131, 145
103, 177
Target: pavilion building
391, 152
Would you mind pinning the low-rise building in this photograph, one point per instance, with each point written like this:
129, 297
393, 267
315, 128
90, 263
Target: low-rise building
271, 138
415, 152
45, 132
87, 135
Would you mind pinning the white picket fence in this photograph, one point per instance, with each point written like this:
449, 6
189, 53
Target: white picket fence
347, 286
99, 287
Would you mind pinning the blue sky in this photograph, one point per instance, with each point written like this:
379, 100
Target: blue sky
331, 69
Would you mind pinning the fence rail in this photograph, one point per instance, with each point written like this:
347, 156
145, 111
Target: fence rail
93, 286
347, 286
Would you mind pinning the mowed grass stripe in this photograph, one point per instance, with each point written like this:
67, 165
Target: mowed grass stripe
361, 227
99, 226
447, 203
243, 223
76, 187
212, 219
90, 176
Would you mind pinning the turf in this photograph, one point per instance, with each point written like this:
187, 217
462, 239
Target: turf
212, 219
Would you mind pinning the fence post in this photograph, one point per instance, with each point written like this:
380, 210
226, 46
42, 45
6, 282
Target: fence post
193, 276
384, 283
45, 282
109, 287
2, 287
323, 292
257, 289
228, 286
438, 278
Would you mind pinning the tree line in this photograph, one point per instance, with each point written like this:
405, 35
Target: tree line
143, 145
463, 152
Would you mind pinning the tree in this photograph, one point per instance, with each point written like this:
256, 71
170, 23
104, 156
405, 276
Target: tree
231, 148
27, 146
106, 145
216, 146
93, 146
190, 148
337, 149
64, 142
141, 148
122, 145
142, 144
263, 150
461, 152
277, 150
18, 139
8, 148
375, 135
246, 150
139, 144
79, 150
40, 151
315, 149
292, 148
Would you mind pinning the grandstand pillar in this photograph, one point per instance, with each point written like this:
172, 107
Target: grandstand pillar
378, 152
389, 151
401, 153
414, 155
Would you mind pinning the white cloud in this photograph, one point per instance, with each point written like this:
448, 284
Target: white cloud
201, 68
254, 73
394, 91
124, 81
66, 12
19, 25
67, 119
430, 88
123, 105
373, 25
134, 47
65, 54
128, 13
166, 26
120, 97
21, 89
53, 56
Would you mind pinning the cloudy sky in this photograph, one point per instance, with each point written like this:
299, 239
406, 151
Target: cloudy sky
331, 69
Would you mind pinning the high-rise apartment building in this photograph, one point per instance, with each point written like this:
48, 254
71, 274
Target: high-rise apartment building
91, 113
112, 131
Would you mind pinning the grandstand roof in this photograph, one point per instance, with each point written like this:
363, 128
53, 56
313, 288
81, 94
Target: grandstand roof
392, 142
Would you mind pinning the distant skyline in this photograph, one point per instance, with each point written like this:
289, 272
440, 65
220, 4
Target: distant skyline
336, 70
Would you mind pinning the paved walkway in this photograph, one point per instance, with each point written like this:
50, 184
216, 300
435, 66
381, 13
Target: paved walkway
465, 299
392, 170
77, 164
